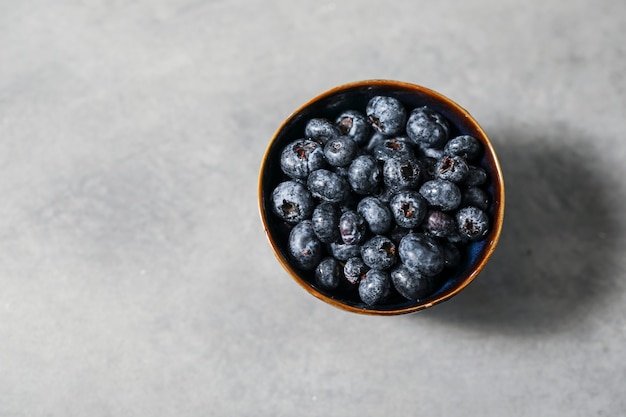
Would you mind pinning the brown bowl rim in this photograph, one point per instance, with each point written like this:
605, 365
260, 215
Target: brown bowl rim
497, 181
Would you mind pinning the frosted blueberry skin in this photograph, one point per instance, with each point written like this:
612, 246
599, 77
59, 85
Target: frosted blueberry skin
305, 249
408, 208
343, 251
352, 228
328, 186
473, 223
393, 148
411, 284
474, 196
340, 151
301, 157
364, 174
354, 124
439, 224
475, 176
328, 273
325, 220
355, 269
375, 288
465, 146
379, 252
321, 130
292, 202
451, 168
401, 174
376, 213
426, 128
421, 253
387, 115
441, 194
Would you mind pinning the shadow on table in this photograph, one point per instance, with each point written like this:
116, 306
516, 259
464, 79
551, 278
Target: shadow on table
557, 257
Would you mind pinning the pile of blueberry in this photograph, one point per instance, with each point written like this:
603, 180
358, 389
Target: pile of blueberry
381, 202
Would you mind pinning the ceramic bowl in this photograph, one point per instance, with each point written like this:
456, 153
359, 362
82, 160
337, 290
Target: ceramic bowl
355, 96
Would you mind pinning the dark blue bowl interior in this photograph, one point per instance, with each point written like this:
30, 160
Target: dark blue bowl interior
330, 106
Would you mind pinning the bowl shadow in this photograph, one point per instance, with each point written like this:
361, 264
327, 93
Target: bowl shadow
556, 257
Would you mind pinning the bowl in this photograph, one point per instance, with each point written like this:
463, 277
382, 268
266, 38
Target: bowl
356, 96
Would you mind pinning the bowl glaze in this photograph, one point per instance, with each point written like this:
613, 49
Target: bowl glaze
355, 96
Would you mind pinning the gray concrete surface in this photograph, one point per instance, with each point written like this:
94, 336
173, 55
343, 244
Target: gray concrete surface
135, 279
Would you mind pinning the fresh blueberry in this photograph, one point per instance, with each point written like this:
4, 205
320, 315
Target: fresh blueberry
354, 124
352, 228
343, 251
401, 173
301, 157
439, 224
434, 153
379, 252
375, 288
474, 196
355, 269
386, 115
376, 214
427, 128
473, 223
384, 194
321, 130
364, 174
304, 247
375, 140
408, 208
393, 148
325, 219
475, 176
397, 233
421, 253
451, 254
292, 202
328, 273
340, 151
410, 283
465, 146
441, 194
451, 168
328, 186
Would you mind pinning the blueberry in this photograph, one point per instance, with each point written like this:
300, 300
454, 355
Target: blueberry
408, 208
411, 284
304, 247
451, 254
465, 146
354, 124
427, 128
386, 115
474, 196
441, 194
321, 130
301, 157
355, 269
343, 251
364, 174
401, 173
431, 152
375, 288
393, 148
384, 194
375, 140
421, 253
473, 223
328, 273
397, 233
439, 224
328, 186
379, 252
451, 168
292, 202
475, 176
376, 214
352, 228
340, 151
325, 219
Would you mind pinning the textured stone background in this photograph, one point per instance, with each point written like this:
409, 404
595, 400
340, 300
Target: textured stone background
135, 278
